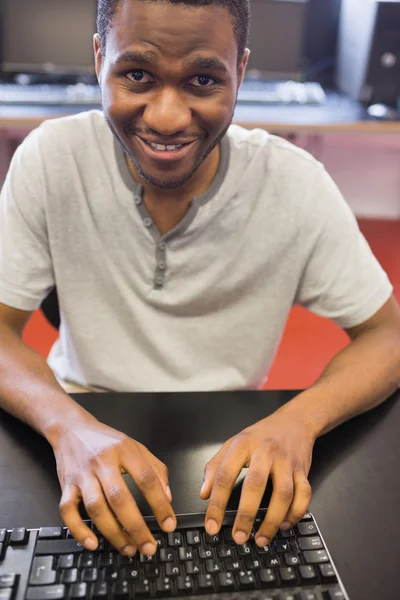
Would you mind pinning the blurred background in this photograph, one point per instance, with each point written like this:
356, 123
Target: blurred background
324, 74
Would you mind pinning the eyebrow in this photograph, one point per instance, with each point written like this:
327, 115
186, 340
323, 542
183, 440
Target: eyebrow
150, 58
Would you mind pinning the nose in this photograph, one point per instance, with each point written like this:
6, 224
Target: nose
167, 113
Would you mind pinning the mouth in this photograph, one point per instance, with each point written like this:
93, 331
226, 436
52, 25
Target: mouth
165, 156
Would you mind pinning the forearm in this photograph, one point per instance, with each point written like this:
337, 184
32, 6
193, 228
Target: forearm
357, 379
29, 390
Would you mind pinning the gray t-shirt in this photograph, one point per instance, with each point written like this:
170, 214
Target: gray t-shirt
201, 308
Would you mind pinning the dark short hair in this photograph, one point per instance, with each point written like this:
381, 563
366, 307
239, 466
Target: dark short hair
238, 9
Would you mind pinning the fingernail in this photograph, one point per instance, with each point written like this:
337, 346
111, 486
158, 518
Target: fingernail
90, 544
203, 487
128, 550
240, 537
262, 541
169, 524
286, 525
148, 549
212, 526
169, 494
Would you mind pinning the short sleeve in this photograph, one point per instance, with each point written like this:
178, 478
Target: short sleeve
341, 278
26, 273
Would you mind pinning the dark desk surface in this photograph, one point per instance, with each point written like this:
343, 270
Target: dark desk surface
355, 471
339, 114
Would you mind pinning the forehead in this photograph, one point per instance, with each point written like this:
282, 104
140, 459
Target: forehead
172, 30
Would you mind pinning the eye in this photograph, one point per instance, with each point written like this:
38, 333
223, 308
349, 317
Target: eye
203, 77
134, 73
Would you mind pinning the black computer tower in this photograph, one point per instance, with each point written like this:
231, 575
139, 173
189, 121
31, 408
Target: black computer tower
368, 65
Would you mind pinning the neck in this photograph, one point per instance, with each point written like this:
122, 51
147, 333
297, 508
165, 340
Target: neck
168, 207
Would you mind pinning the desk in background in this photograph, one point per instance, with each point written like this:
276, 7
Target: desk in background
354, 475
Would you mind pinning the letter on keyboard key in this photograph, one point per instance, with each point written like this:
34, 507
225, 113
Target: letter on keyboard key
315, 556
48, 592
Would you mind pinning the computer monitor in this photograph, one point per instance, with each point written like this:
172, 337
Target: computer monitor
276, 38
48, 36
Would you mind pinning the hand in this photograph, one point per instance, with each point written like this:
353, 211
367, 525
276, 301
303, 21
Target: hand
279, 447
91, 458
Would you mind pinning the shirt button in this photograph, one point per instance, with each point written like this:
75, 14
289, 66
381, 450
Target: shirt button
159, 281
162, 246
161, 266
138, 200
148, 222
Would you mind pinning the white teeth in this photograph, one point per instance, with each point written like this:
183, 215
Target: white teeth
160, 147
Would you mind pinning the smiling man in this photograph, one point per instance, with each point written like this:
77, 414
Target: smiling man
178, 243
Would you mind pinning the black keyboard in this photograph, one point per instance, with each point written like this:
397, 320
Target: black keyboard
48, 564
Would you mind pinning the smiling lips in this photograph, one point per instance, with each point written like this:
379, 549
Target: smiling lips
167, 153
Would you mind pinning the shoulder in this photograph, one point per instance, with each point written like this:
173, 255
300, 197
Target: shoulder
277, 155
80, 128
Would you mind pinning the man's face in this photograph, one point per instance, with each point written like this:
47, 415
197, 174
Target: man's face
167, 101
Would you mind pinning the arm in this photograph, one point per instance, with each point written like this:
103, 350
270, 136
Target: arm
358, 378
90, 456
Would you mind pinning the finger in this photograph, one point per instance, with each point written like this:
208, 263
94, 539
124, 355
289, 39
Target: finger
159, 467
124, 508
301, 500
211, 469
70, 500
104, 519
223, 483
252, 493
150, 485
281, 499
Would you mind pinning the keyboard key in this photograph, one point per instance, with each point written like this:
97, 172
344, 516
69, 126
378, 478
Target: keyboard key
287, 574
175, 540
316, 556
131, 574
310, 543
272, 561
267, 577
205, 552
172, 570
66, 561
100, 591
185, 554
327, 572
151, 571
68, 546
193, 538
147, 558
282, 546
164, 587
3, 533
106, 560
87, 559
228, 534
42, 571
335, 594
244, 550
192, 568
50, 533
185, 584
111, 575
49, 592
263, 549
7, 581
2, 550
289, 533
90, 575
225, 551
69, 576
307, 517
78, 591
292, 559
307, 528
233, 564
307, 573
253, 564
166, 555
121, 591
247, 580
6, 593
226, 581
286, 596
143, 589
212, 566
213, 539
19, 537
206, 582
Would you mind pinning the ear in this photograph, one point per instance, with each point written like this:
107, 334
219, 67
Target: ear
98, 57
243, 66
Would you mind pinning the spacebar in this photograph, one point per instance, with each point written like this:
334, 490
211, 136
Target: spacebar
68, 546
